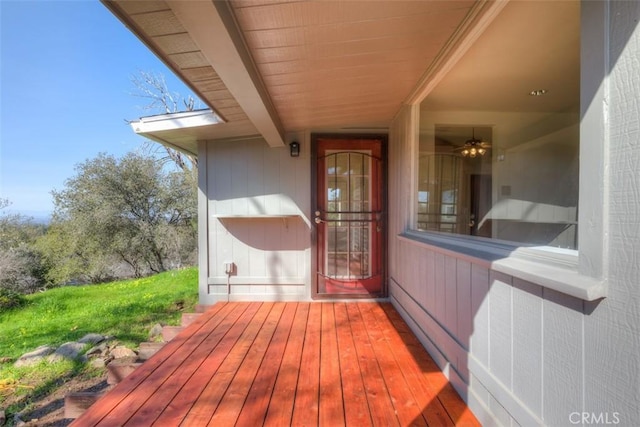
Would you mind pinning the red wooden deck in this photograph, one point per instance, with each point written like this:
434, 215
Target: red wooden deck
250, 364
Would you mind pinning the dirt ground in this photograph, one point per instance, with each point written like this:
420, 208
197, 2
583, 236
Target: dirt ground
48, 411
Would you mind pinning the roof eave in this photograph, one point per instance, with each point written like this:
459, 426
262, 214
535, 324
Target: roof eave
183, 131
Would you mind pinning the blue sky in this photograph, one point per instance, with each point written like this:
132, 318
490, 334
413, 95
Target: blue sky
65, 92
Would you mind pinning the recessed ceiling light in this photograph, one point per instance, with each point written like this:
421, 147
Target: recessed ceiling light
538, 92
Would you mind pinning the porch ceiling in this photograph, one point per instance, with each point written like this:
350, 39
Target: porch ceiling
312, 65
336, 64
268, 67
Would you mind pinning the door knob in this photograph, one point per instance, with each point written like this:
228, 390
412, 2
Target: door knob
318, 220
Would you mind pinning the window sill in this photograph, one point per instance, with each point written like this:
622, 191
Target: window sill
555, 270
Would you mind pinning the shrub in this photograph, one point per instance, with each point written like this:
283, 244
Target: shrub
10, 299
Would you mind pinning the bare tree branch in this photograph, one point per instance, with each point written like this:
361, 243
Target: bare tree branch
153, 87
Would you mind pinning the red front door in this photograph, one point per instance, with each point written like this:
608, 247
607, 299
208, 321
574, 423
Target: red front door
349, 216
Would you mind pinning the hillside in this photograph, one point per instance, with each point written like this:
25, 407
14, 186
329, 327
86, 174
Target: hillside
125, 310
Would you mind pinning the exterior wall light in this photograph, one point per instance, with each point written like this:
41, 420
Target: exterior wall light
294, 149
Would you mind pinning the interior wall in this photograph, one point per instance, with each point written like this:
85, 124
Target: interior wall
531, 154
257, 210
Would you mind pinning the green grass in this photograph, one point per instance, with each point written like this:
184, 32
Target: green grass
125, 310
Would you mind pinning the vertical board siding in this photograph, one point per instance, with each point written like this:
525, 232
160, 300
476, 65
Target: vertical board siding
479, 342
424, 281
439, 285
527, 343
465, 315
562, 356
259, 234
500, 324
451, 296
430, 265
241, 161
251, 180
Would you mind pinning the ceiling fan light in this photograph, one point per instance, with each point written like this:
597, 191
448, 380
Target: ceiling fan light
472, 147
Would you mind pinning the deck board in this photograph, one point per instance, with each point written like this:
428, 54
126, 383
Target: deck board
305, 409
214, 355
249, 364
380, 406
406, 407
287, 381
331, 408
356, 408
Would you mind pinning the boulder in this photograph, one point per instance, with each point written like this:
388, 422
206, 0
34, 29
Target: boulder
148, 349
34, 357
98, 351
98, 363
121, 352
69, 351
91, 339
155, 331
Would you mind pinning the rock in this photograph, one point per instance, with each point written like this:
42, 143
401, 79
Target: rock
121, 352
170, 332
97, 363
155, 331
76, 403
97, 351
3, 418
34, 357
91, 339
69, 350
148, 349
17, 421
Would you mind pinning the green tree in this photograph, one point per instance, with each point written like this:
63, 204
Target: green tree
121, 217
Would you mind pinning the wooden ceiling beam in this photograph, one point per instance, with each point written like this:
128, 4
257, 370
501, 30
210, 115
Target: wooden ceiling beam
213, 28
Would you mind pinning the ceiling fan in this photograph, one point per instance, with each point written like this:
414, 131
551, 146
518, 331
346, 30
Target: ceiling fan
473, 147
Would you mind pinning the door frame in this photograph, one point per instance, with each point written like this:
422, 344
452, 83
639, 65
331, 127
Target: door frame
383, 138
